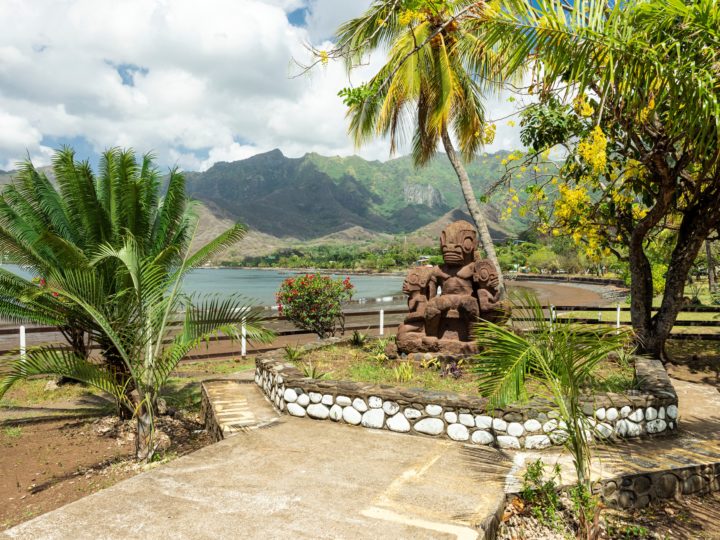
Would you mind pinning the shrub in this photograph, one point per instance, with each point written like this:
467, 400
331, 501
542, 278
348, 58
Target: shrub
358, 339
314, 302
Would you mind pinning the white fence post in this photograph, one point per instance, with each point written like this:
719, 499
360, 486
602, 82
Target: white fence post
617, 318
22, 343
552, 315
382, 322
243, 339
599, 316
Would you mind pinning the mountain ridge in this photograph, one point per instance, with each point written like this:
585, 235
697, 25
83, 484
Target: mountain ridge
314, 196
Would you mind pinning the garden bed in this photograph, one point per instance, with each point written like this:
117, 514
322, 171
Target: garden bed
369, 364
377, 399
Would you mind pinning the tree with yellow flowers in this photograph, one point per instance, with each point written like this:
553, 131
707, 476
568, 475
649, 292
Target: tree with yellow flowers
631, 92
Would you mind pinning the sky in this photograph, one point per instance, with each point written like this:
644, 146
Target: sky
193, 82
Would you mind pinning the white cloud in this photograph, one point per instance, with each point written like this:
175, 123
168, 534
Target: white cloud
210, 80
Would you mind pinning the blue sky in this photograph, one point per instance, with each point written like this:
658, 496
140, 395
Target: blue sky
194, 82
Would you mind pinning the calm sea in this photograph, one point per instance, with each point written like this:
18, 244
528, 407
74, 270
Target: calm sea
260, 286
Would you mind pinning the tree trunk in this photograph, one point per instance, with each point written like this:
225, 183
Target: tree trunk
473, 207
710, 266
145, 433
691, 235
641, 291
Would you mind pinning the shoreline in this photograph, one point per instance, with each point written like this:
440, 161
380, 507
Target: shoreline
295, 270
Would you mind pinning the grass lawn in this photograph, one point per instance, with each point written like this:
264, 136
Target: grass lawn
182, 390
345, 362
32, 393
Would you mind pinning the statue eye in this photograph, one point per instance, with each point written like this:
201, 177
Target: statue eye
468, 243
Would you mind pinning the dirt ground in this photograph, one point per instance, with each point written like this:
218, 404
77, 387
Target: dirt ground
691, 518
49, 464
564, 294
695, 361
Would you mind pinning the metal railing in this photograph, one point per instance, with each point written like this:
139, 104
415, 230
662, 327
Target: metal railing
14, 340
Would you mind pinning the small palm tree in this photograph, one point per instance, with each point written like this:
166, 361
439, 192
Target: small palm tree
431, 85
562, 359
54, 225
138, 322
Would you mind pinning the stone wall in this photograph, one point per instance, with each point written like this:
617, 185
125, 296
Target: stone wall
650, 410
639, 490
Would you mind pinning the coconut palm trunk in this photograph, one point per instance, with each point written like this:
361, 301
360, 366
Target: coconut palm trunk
473, 206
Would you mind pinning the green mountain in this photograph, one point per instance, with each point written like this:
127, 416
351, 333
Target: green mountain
315, 196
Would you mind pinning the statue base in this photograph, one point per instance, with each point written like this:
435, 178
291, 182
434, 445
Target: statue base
414, 343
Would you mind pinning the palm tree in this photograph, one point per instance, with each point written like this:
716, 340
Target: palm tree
140, 322
562, 359
429, 82
55, 226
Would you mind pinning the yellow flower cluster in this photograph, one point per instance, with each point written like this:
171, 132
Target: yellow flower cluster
571, 203
645, 113
593, 149
409, 16
487, 134
582, 106
638, 211
513, 201
324, 58
571, 213
635, 169
620, 198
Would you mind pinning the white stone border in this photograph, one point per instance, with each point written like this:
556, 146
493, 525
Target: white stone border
299, 396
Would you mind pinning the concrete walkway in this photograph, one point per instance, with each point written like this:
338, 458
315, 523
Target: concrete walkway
696, 442
284, 477
296, 478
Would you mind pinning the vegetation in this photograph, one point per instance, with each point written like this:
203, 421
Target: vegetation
369, 363
561, 359
380, 257
138, 321
130, 309
57, 228
629, 90
642, 132
390, 197
315, 302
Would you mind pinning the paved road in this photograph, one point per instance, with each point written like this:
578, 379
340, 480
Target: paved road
296, 479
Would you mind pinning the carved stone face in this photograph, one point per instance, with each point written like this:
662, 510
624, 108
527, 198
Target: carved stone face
486, 276
416, 280
458, 243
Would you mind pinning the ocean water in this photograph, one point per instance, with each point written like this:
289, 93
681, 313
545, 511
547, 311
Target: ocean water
260, 286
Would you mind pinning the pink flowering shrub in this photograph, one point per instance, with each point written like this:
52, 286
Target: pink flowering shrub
314, 302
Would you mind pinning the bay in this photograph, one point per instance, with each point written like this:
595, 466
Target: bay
260, 286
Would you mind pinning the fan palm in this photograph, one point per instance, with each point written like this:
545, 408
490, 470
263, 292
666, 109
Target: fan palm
429, 86
55, 226
138, 322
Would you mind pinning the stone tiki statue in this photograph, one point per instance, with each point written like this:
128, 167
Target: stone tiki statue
444, 302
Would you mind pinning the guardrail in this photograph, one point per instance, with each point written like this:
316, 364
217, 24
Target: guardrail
556, 314
14, 340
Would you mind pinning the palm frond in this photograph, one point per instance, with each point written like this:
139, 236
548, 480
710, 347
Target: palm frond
56, 361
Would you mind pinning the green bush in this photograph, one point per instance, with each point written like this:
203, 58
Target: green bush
314, 302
